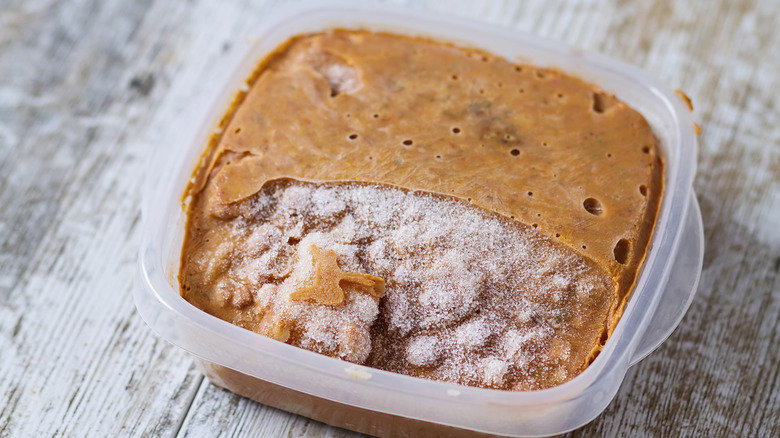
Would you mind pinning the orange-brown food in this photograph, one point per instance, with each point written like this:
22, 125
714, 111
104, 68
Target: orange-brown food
426, 209
327, 282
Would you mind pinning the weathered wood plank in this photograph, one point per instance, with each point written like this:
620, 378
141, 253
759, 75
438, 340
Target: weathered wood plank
76, 358
86, 89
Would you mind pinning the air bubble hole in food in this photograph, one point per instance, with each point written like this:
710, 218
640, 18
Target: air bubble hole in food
593, 206
599, 103
622, 249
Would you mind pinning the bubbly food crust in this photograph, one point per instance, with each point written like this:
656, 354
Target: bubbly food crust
425, 209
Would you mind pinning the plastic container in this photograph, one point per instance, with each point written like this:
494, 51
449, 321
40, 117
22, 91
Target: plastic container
383, 403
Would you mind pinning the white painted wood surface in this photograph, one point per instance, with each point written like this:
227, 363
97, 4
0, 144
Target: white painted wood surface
87, 88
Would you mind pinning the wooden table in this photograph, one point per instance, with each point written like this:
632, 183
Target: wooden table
87, 88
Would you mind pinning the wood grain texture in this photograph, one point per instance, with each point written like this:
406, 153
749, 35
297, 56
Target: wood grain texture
88, 87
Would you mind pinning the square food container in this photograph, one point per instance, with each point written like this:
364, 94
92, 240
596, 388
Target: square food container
379, 402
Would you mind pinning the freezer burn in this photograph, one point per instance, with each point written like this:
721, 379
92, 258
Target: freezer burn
425, 209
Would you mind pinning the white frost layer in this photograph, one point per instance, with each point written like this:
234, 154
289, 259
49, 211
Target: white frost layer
470, 297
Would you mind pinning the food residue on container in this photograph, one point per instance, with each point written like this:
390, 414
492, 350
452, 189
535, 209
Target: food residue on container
423, 209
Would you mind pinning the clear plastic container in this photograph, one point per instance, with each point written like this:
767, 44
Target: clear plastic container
383, 403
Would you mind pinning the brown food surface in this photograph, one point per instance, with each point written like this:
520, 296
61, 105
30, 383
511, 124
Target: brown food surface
568, 162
